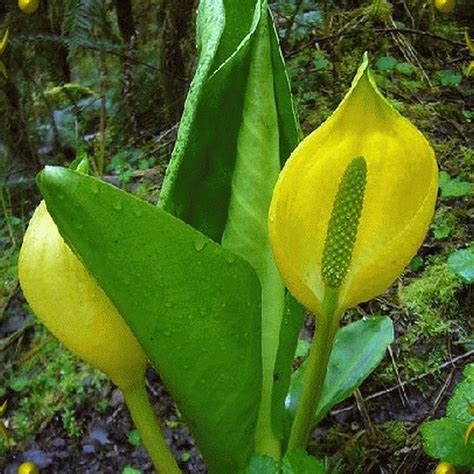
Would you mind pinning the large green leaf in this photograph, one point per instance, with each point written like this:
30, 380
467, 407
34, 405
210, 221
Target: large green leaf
193, 305
197, 186
238, 128
444, 439
256, 169
463, 394
299, 461
358, 349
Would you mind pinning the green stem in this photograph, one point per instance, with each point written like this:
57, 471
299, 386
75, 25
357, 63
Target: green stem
148, 425
326, 327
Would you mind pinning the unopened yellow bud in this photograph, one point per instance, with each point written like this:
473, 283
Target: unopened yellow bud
28, 6
4, 41
28, 468
72, 305
445, 468
445, 6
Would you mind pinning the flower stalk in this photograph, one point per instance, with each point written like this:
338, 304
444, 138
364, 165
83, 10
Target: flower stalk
148, 426
326, 328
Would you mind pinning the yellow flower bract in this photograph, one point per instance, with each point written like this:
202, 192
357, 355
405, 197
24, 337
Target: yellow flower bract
73, 307
445, 6
401, 188
28, 6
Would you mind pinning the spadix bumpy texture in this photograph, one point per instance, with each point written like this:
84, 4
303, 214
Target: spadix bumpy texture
73, 307
396, 189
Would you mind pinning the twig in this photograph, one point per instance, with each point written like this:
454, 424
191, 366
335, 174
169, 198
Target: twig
364, 413
403, 395
399, 31
13, 337
446, 364
414, 31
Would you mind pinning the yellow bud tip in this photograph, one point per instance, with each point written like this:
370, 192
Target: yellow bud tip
469, 42
28, 6
3, 43
469, 431
3, 408
28, 468
445, 6
445, 468
470, 408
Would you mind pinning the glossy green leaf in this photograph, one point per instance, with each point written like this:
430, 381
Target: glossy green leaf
256, 169
449, 78
262, 465
197, 186
444, 439
453, 187
358, 349
464, 392
461, 262
299, 461
386, 63
238, 128
194, 306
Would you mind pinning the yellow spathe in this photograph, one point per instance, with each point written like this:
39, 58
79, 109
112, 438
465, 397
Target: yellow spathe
445, 6
399, 198
73, 307
28, 6
445, 468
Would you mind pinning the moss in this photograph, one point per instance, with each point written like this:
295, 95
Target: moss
395, 433
431, 301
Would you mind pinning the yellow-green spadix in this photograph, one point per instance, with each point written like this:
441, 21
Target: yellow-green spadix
73, 307
353, 202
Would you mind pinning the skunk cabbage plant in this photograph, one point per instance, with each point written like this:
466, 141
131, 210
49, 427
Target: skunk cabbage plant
349, 211
208, 282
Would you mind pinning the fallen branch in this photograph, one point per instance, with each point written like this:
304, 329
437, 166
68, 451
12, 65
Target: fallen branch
400, 31
446, 364
414, 31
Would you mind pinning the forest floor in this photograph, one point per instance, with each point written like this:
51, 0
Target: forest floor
67, 418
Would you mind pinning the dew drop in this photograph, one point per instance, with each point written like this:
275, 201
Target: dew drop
167, 333
200, 244
118, 205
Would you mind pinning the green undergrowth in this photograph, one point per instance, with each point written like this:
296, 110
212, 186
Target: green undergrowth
359, 451
43, 380
429, 319
431, 305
